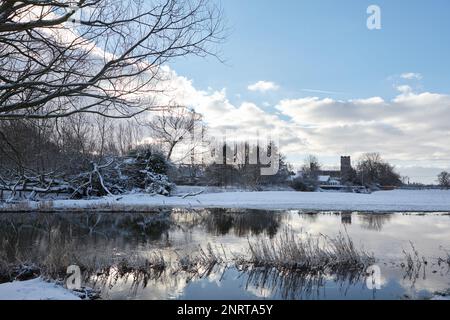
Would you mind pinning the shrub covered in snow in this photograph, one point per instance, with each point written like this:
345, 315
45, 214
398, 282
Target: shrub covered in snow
142, 170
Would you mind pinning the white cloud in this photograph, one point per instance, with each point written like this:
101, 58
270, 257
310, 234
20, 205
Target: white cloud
404, 89
411, 129
411, 76
245, 120
263, 86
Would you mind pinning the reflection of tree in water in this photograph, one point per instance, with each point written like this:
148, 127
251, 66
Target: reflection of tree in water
149, 227
242, 223
23, 234
310, 217
92, 231
374, 221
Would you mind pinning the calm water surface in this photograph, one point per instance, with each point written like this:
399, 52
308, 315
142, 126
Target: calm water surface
174, 233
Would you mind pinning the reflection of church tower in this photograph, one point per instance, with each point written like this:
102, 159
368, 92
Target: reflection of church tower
346, 218
346, 169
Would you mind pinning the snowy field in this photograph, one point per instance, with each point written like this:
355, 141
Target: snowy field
383, 201
35, 289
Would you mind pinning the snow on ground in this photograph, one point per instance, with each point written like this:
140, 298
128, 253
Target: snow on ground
181, 190
35, 289
383, 201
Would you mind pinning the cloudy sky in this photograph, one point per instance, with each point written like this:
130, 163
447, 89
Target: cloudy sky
313, 74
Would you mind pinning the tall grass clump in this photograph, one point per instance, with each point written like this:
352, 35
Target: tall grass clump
202, 262
306, 253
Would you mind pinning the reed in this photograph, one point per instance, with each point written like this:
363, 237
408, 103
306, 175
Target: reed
305, 253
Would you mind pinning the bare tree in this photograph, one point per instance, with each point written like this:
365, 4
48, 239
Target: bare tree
174, 126
128, 132
38, 153
372, 170
60, 57
27, 144
444, 179
104, 128
311, 164
308, 180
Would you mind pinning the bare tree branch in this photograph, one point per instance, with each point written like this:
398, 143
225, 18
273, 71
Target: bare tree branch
174, 126
104, 57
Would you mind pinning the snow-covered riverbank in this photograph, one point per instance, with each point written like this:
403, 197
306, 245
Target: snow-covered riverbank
383, 201
35, 289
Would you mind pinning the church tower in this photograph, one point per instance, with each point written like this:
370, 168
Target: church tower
346, 168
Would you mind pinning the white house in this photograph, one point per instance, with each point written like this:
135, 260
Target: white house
328, 180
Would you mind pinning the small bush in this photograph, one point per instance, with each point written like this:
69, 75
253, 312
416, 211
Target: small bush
305, 185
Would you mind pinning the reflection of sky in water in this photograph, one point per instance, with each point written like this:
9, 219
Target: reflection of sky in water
234, 285
182, 232
384, 235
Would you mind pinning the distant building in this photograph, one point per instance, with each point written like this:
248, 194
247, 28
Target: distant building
324, 179
343, 175
346, 169
328, 181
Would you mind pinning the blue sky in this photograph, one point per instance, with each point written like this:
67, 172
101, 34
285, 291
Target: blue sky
325, 45
323, 49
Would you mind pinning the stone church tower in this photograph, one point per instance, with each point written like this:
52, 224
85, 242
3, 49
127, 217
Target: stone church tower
346, 169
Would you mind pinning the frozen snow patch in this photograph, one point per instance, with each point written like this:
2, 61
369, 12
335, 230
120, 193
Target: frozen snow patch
35, 289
